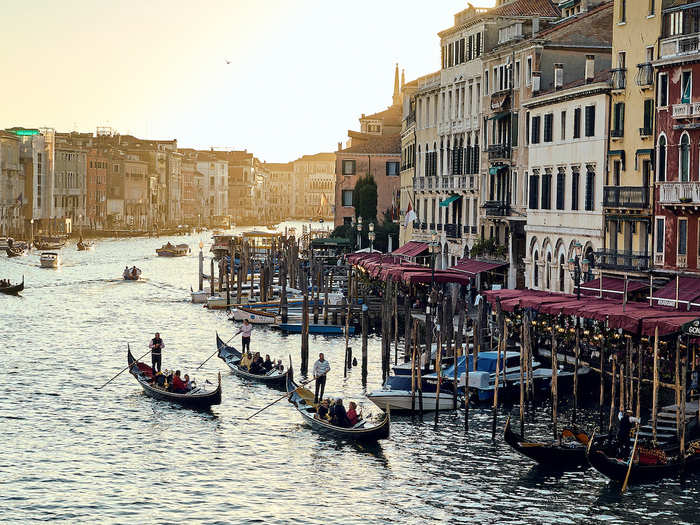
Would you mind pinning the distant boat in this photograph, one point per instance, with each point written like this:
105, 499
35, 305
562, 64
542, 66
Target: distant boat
49, 243
199, 297
85, 246
396, 395
17, 249
252, 316
13, 289
171, 250
132, 274
50, 260
322, 329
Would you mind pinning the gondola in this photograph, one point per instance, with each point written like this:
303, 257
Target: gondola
232, 358
197, 398
302, 399
558, 456
13, 289
85, 246
16, 252
649, 464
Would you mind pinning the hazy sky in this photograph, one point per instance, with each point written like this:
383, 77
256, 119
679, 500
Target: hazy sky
301, 72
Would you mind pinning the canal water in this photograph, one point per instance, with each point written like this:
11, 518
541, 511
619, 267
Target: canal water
72, 453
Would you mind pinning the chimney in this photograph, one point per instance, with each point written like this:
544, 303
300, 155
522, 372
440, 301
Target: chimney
535, 26
340, 146
558, 76
536, 77
590, 68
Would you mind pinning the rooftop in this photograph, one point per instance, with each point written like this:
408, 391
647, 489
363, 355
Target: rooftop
527, 8
373, 144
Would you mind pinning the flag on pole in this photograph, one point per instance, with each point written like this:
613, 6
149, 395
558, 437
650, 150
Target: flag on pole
410, 215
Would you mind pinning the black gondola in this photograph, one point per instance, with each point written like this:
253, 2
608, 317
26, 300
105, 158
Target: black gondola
558, 456
302, 399
16, 248
232, 358
196, 398
13, 289
648, 465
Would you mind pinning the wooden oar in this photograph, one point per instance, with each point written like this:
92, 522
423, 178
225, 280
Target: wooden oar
629, 467
281, 398
120, 373
215, 352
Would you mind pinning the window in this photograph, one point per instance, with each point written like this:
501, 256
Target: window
561, 182
478, 44
652, 7
561, 272
548, 124
347, 197
528, 71
648, 116
660, 234
577, 123
535, 130
514, 130
686, 81
574, 189
392, 169
661, 169
348, 167
486, 82
590, 190
527, 128
590, 121
684, 161
663, 90
534, 190
682, 236
617, 167
623, 11
618, 120
546, 203
516, 79
536, 270
563, 125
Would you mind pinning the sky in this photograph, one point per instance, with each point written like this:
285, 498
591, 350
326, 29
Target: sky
300, 73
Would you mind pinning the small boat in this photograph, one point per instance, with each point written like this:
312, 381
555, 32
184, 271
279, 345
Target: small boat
132, 274
396, 395
560, 456
17, 249
232, 358
253, 316
171, 250
199, 297
302, 399
50, 260
13, 289
85, 246
199, 397
49, 243
321, 329
4, 242
648, 464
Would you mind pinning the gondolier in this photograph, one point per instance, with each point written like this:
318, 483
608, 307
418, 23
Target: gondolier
246, 330
321, 368
156, 347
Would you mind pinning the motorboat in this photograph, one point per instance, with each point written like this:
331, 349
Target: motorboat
396, 394
253, 316
199, 297
132, 274
172, 250
50, 260
84, 246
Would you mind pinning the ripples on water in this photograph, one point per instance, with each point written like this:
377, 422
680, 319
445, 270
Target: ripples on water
77, 454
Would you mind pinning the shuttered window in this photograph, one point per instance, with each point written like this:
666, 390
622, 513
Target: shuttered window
561, 181
546, 203
534, 189
590, 121
548, 124
590, 183
574, 190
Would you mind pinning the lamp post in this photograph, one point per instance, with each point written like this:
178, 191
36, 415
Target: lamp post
359, 231
577, 267
371, 236
31, 237
434, 247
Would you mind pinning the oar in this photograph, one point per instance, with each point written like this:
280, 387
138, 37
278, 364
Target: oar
120, 373
215, 351
281, 398
629, 467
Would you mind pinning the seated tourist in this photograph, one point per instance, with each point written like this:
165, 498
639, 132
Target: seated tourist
322, 410
256, 367
159, 380
246, 360
279, 366
339, 417
178, 383
352, 416
189, 384
267, 364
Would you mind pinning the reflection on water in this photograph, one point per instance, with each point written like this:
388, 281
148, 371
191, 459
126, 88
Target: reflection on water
78, 454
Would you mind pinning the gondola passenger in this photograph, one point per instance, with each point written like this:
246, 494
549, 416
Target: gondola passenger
256, 367
178, 383
279, 366
246, 360
322, 410
353, 418
189, 383
339, 417
267, 364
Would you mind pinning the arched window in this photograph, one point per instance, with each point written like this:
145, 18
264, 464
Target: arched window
661, 170
561, 272
548, 271
536, 270
684, 161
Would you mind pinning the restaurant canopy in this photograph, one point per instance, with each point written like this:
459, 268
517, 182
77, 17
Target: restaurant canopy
474, 267
411, 249
683, 292
612, 287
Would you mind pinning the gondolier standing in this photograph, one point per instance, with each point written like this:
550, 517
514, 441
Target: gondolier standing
156, 347
246, 330
321, 368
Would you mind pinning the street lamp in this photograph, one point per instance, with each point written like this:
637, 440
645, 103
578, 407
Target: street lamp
359, 231
434, 247
371, 237
31, 238
577, 267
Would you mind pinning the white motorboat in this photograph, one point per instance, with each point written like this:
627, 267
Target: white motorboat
50, 260
199, 297
253, 316
400, 400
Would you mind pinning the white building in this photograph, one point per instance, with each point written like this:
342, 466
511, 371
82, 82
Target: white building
215, 179
564, 185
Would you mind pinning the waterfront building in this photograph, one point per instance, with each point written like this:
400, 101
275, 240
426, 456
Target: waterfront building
279, 192
566, 161
627, 197
241, 179
11, 184
96, 198
216, 188
70, 180
314, 187
136, 192
520, 66
677, 175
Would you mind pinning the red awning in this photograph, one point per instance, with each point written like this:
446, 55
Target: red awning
474, 267
411, 249
612, 287
688, 292
441, 276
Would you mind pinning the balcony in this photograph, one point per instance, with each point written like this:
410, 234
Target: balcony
618, 78
500, 100
679, 193
622, 260
452, 231
645, 75
418, 183
678, 46
636, 197
645, 132
617, 133
496, 208
499, 151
